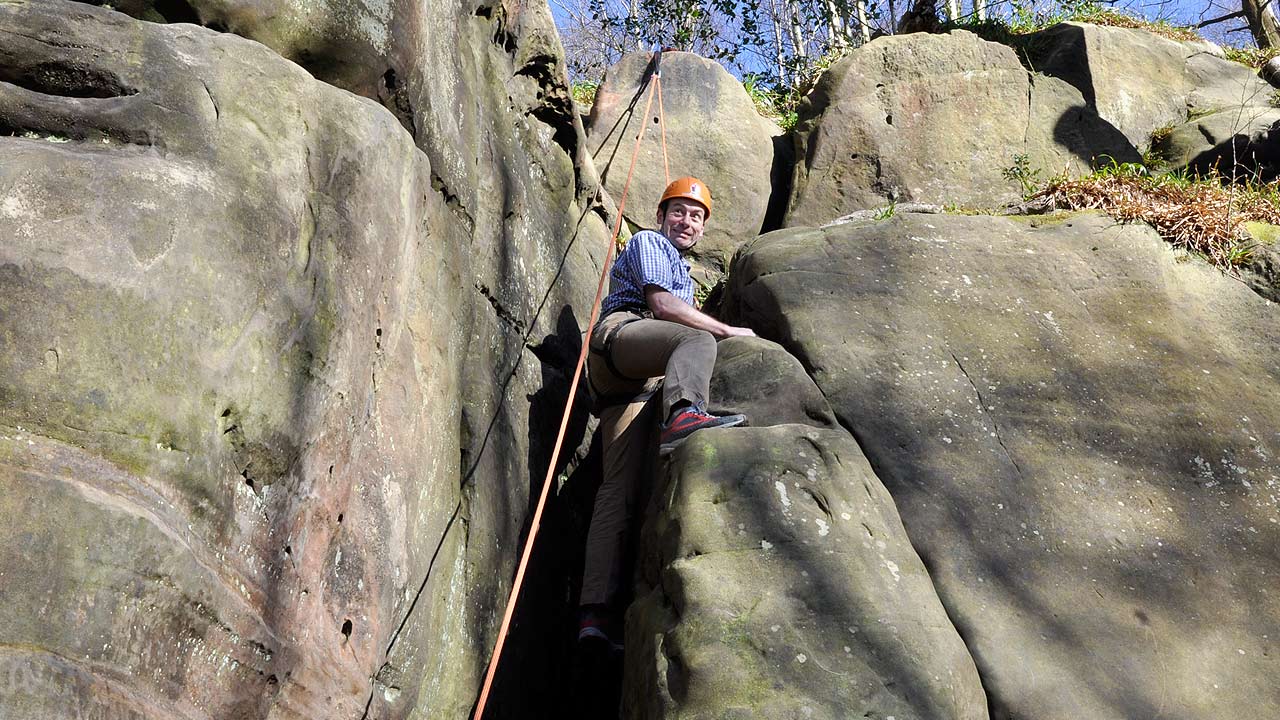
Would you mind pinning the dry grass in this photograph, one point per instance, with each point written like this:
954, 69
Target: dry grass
1112, 18
1201, 215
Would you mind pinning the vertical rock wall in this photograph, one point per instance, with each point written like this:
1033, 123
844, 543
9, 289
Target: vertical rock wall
277, 361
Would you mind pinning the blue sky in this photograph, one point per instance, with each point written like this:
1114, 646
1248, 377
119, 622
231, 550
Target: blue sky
1179, 12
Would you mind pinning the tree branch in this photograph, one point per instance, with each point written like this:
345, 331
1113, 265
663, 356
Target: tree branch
1224, 18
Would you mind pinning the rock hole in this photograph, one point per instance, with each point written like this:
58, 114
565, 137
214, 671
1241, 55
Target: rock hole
177, 11
395, 97
339, 518
249, 481
65, 78
888, 119
854, 156
346, 629
288, 550
226, 413
485, 11
273, 680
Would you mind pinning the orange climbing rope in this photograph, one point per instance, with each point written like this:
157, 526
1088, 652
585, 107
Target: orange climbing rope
662, 124
573, 391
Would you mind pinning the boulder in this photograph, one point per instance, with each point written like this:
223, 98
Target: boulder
713, 132
346, 42
1079, 432
1260, 270
758, 378
1139, 81
1271, 72
780, 584
1238, 142
257, 350
937, 119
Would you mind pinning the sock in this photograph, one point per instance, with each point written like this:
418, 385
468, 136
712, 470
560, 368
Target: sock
677, 408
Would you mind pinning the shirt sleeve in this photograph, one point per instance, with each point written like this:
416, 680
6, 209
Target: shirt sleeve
649, 264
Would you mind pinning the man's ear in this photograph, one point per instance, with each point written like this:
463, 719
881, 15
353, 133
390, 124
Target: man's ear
660, 216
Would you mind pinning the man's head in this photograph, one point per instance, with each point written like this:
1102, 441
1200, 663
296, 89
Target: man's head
683, 211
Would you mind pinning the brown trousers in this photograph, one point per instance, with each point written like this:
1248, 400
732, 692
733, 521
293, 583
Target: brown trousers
641, 354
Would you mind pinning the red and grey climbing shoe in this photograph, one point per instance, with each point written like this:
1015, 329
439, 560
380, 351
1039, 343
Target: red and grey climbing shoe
689, 420
597, 625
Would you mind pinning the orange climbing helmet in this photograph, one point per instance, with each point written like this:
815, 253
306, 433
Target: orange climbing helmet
689, 188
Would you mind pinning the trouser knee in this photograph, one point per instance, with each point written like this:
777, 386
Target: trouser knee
699, 342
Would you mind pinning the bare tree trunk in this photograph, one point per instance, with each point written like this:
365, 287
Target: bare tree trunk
780, 50
633, 22
863, 27
953, 10
1262, 22
797, 34
835, 22
980, 10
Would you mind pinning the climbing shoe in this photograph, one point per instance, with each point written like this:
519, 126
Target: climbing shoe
597, 625
689, 420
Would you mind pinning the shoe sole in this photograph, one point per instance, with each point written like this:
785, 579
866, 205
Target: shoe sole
665, 448
595, 635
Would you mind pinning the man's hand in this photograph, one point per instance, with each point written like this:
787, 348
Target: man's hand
666, 306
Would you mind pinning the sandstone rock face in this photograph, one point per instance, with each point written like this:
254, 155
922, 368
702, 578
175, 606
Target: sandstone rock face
936, 118
1236, 140
713, 133
258, 350
761, 380
1138, 81
1079, 433
780, 584
1261, 270
345, 39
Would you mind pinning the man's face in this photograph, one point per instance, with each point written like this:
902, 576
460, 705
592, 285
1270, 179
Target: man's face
682, 222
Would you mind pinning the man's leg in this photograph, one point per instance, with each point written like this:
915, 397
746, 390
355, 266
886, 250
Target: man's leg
627, 434
686, 356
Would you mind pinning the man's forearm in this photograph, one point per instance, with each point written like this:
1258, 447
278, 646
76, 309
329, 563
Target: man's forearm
688, 315
666, 306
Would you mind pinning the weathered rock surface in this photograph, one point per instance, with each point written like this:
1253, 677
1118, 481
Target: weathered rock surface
936, 118
761, 380
1080, 434
783, 586
1239, 140
713, 132
258, 350
1139, 81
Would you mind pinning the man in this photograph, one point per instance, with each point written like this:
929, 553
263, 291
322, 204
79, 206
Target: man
650, 333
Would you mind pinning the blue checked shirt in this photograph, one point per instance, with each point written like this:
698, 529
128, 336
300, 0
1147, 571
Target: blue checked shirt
649, 259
